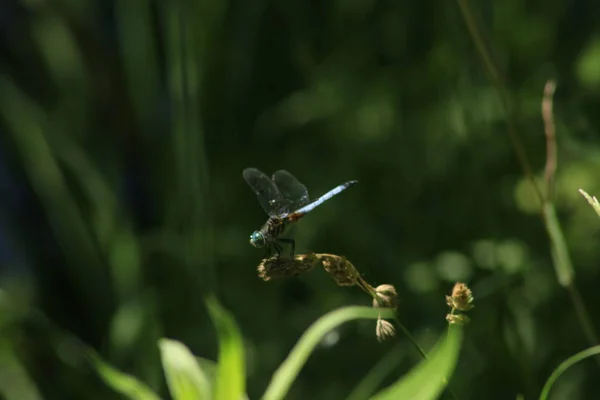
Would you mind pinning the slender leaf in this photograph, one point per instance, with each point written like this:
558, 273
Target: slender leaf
231, 370
378, 373
286, 374
138, 48
560, 252
27, 125
592, 200
582, 355
15, 383
185, 378
123, 383
428, 379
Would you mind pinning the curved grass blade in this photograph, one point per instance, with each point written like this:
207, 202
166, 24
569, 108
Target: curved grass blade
208, 367
428, 379
15, 382
286, 374
582, 355
230, 380
123, 383
592, 200
378, 373
31, 134
185, 378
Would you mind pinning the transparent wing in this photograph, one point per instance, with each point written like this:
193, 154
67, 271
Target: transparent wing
269, 196
291, 189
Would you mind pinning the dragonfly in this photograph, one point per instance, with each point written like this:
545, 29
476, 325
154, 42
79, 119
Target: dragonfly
285, 200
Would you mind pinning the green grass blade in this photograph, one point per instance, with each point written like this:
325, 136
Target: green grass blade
15, 383
378, 373
582, 355
138, 48
185, 378
428, 379
208, 367
230, 382
286, 374
125, 384
560, 252
189, 208
28, 128
592, 200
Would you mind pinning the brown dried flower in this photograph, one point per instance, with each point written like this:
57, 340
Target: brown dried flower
384, 330
461, 298
281, 267
341, 270
387, 297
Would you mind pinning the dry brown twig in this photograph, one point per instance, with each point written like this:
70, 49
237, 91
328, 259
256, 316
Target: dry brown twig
342, 271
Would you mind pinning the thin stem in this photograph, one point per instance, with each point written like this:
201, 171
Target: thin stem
547, 211
583, 315
503, 95
550, 131
562, 261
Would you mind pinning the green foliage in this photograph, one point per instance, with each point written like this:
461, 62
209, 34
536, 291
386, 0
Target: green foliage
124, 384
592, 200
185, 378
124, 128
286, 374
427, 380
589, 63
566, 364
230, 379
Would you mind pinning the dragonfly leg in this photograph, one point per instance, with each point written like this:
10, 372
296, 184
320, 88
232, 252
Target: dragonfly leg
269, 252
278, 248
292, 243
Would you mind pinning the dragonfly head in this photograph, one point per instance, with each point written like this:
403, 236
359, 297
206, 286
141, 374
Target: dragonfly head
257, 239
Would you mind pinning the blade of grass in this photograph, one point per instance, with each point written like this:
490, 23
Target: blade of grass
592, 200
230, 382
378, 373
503, 95
560, 255
427, 380
138, 49
26, 123
286, 373
185, 378
566, 364
124, 384
61, 54
15, 383
560, 252
189, 205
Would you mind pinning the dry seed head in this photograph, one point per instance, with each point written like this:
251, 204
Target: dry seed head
341, 270
279, 267
461, 298
384, 330
386, 296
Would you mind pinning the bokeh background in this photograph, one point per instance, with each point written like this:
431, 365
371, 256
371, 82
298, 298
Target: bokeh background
124, 128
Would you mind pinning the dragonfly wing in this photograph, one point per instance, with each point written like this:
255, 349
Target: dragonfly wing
291, 189
269, 197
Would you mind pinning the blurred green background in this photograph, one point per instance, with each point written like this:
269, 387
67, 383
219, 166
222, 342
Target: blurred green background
124, 128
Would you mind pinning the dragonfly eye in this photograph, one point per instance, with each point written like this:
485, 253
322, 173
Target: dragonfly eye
257, 239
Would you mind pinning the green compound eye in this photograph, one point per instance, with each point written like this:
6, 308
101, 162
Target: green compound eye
257, 239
